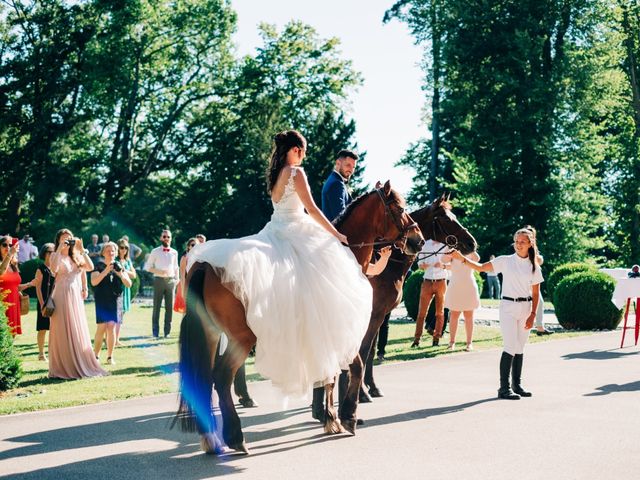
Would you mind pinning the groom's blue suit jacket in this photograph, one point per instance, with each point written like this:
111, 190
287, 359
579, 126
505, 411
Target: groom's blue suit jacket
335, 196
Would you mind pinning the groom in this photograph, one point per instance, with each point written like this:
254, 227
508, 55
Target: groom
335, 198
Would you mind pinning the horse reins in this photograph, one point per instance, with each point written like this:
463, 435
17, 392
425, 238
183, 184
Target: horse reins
404, 231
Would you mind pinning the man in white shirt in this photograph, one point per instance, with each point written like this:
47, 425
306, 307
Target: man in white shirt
163, 263
27, 251
434, 285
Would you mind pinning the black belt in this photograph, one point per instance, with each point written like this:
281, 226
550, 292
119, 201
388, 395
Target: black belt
433, 280
519, 299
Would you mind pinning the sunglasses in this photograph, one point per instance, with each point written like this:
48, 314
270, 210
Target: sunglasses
123, 248
191, 245
5, 245
166, 236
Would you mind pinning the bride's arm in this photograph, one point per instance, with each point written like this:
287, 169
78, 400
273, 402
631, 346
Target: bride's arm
302, 187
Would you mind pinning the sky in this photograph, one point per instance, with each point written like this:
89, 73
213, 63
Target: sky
388, 106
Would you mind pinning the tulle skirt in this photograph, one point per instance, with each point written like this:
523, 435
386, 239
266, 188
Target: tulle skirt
305, 297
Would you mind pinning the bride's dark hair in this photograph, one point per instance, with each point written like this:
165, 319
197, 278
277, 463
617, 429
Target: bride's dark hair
283, 142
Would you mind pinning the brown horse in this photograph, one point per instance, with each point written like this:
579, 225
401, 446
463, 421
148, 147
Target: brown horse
212, 309
436, 222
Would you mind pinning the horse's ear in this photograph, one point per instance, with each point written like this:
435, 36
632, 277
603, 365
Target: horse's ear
378, 185
448, 196
387, 188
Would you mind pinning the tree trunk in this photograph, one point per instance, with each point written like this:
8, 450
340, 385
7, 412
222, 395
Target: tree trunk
435, 105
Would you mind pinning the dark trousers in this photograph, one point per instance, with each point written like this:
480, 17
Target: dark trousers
383, 336
162, 288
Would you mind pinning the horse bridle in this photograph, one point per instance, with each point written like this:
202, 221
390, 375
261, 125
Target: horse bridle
450, 240
404, 231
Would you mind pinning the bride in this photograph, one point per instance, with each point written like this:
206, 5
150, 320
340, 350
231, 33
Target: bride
306, 298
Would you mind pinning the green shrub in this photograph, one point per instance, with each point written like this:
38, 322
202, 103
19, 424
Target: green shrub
10, 365
135, 286
562, 271
411, 292
28, 273
583, 302
479, 281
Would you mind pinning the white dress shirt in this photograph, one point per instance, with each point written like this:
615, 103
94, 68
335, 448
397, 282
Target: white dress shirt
163, 262
430, 258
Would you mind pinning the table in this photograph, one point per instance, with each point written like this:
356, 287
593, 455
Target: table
627, 289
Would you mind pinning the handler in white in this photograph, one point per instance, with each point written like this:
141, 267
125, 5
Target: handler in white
520, 296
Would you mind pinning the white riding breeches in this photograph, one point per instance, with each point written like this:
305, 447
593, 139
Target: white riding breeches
513, 316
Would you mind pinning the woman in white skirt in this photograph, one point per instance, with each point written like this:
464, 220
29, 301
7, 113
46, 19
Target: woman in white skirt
461, 297
520, 296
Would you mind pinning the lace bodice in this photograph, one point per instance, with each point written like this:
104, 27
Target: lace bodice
289, 206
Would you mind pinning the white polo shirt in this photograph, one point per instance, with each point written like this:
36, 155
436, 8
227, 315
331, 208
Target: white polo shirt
431, 258
517, 277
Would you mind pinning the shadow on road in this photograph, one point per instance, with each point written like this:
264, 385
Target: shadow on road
599, 355
615, 388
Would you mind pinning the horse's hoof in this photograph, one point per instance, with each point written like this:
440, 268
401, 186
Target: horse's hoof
240, 447
333, 427
365, 397
375, 392
210, 444
247, 402
349, 426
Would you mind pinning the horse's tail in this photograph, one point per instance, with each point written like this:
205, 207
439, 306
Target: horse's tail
196, 352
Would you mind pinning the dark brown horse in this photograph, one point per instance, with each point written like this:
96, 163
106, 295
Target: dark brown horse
213, 309
436, 222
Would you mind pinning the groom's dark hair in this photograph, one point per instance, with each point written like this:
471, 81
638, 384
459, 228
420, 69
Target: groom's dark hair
347, 154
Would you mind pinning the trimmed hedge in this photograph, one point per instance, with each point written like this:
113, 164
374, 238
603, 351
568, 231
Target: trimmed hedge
583, 302
10, 365
411, 293
561, 272
28, 273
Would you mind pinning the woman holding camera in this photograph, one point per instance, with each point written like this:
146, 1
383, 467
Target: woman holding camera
70, 352
124, 302
108, 280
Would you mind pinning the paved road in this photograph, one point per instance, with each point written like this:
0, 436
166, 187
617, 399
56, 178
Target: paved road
439, 420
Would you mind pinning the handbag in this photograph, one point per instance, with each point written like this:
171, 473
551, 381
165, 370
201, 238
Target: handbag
49, 307
24, 304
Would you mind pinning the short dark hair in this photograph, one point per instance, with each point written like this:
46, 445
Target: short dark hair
347, 154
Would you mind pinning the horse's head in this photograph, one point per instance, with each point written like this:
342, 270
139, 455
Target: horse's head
439, 223
395, 224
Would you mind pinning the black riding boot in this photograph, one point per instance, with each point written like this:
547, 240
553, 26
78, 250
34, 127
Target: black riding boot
317, 407
505, 369
516, 373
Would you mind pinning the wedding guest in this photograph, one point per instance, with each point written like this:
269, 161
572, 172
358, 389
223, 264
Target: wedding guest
493, 283
124, 305
27, 250
44, 282
94, 249
201, 238
434, 286
461, 297
105, 239
163, 263
10, 280
179, 305
134, 250
108, 280
521, 294
70, 352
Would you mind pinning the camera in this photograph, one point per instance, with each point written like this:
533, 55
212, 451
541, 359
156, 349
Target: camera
71, 242
117, 266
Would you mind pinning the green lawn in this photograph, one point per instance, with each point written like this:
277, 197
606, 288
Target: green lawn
148, 367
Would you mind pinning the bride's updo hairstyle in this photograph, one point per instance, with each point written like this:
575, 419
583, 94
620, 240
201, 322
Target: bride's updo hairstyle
283, 142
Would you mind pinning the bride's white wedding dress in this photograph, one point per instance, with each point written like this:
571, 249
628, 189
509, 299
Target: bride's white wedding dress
305, 296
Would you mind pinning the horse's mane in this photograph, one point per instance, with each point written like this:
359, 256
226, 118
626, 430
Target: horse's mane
340, 219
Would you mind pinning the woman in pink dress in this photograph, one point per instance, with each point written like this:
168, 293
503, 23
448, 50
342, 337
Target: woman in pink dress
461, 297
70, 350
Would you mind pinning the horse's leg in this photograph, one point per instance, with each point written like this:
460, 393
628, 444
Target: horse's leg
198, 342
369, 381
230, 316
350, 402
331, 422
223, 375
